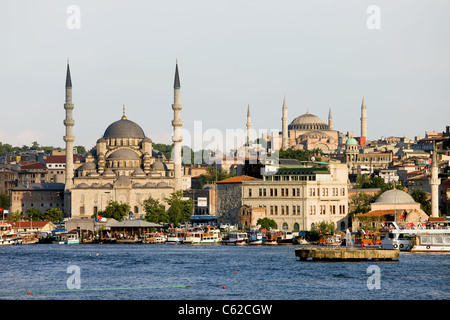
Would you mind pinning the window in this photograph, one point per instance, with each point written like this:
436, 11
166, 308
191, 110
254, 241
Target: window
264, 192
298, 192
271, 210
287, 192
282, 192
325, 192
276, 209
249, 192
260, 192
287, 210
293, 210
322, 209
293, 192
312, 192
282, 210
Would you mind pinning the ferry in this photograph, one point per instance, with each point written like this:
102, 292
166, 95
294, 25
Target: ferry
176, 236
66, 238
27, 238
235, 238
396, 238
285, 237
155, 237
7, 237
330, 240
193, 237
427, 242
210, 237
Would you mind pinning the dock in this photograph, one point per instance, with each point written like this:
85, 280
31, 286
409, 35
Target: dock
346, 254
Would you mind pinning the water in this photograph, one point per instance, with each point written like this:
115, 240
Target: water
184, 272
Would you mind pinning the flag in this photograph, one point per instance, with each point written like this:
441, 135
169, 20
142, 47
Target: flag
99, 217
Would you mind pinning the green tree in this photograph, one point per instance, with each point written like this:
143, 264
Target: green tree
212, 174
180, 210
324, 227
115, 210
421, 196
14, 216
34, 214
155, 211
267, 223
5, 200
53, 214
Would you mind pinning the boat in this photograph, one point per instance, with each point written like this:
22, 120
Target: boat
254, 238
330, 240
368, 239
193, 237
428, 242
300, 238
7, 236
27, 238
66, 238
270, 238
154, 237
176, 236
285, 237
395, 237
235, 238
210, 237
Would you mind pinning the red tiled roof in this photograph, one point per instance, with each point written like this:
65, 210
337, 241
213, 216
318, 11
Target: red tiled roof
238, 179
376, 213
61, 159
29, 224
33, 166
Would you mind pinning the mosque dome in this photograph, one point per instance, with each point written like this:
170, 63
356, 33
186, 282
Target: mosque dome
308, 121
395, 196
124, 128
351, 142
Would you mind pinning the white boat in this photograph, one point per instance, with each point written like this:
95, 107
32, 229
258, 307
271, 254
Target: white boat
176, 236
210, 237
427, 242
7, 236
398, 238
193, 237
27, 238
285, 237
155, 237
67, 238
270, 238
254, 238
235, 238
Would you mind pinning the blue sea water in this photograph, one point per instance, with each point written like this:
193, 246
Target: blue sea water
211, 272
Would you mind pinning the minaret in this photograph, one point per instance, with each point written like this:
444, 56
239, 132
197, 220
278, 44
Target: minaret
284, 125
69, 138
330, 120
249, 125
363, 119
434, 183
177, 138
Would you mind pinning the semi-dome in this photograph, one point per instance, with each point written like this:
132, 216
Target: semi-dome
123, 154
395, 196
308, 121
124, 128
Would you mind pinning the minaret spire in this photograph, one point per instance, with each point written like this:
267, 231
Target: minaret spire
249, 124
434, 183
69, 139
330, 120
363, 120
177, 123
284, 125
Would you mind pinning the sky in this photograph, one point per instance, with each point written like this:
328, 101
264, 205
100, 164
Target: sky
231, 54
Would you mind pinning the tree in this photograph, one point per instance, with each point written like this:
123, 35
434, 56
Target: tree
421, 196
34, 214
53, 214
212, 174
180, 210
5, 200
115, 210
324, 227
267, 223
155, 211
14, 216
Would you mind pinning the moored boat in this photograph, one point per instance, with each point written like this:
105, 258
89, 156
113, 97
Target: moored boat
193, 237
254, 238
270, 238
154, 237
235, 238
210, 237
427, 242
7, 236
176, 236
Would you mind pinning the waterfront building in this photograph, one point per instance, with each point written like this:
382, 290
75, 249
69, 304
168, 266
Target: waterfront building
41, 196
392, 205
123, 167
296, 197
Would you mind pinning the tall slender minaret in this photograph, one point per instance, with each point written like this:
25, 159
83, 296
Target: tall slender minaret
249, 125
434, 183
69, 138
177, 138
363, 119
330, 120
284, 125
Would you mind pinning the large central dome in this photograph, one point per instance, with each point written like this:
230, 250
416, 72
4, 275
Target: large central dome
124, 128
308, 121
395, 196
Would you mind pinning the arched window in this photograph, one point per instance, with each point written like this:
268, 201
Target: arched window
296, 227
285, 226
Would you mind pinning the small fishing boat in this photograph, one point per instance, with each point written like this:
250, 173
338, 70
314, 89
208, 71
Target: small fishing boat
254, 238
330, 240
270, 238
368, 239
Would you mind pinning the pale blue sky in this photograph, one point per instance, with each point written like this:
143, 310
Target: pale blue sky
231, 53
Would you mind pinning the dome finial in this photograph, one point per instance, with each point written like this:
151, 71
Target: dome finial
307, 110
123, 116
